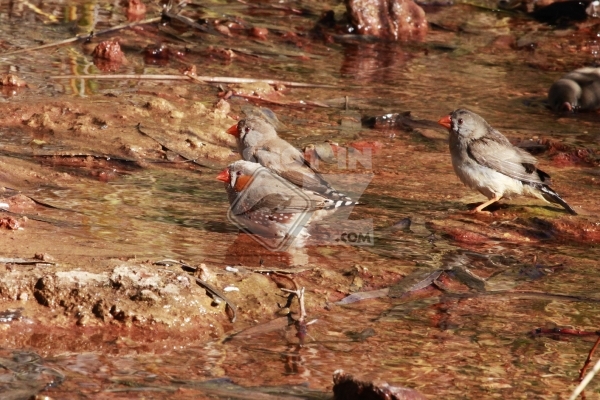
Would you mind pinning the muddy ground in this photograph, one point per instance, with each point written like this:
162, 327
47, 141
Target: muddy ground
68, 277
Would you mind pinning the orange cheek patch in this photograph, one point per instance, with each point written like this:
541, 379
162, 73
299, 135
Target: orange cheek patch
241, 182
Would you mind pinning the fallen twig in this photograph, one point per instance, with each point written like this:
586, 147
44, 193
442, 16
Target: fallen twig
576, 332
300, 324
14, 192
209, 79
301, 103
164, 143
36, 217
588, 378
37, 10
210, 288
584, 368
289, 271
215, 292
359, 296
83, 37
24, 261
563, 331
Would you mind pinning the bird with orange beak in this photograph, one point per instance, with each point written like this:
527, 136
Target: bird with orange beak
484, 160
258, 142
267, 204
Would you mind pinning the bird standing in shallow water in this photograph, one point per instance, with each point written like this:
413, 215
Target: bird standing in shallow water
258, 142
486, 161
268, 205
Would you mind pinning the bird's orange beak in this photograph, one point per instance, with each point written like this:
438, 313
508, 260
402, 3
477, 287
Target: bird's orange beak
446, 121
234, 131
224, 176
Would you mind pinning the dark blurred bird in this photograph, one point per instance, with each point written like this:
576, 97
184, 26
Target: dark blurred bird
578, 90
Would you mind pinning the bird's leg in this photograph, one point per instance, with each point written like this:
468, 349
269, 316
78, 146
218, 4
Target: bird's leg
487, 203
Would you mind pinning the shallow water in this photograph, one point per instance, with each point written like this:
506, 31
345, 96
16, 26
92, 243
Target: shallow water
460, 342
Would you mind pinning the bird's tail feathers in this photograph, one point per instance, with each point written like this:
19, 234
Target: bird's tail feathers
333, 194
553, 197
333, 204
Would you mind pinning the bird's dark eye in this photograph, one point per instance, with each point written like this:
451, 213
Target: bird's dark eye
238, 173
246, 129
460, 121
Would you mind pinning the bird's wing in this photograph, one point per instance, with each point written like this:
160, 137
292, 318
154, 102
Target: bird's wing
279, 203
583, 76
292, 166
268, 192
590, 97
496, 152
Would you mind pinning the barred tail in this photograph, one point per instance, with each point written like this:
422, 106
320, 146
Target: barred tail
333, 204
333, 194
553, 197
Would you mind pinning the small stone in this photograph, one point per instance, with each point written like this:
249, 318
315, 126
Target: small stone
222, 29
23, 296
136, 10
12, 80
109, 50
283, 311
176, 114
259, 33
146, 295
204, 273
83, 320
222, 107
158, 104
43, 257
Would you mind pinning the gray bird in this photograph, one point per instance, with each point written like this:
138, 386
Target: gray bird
258, 142
269, 205
578, 90
486, 161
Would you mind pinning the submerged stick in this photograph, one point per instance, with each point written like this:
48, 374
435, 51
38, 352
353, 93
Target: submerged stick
215, 292
588, 378
300, 324
589, 359
164, 142
301, 103
24, 261
232, 309
83, 37
579, 389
